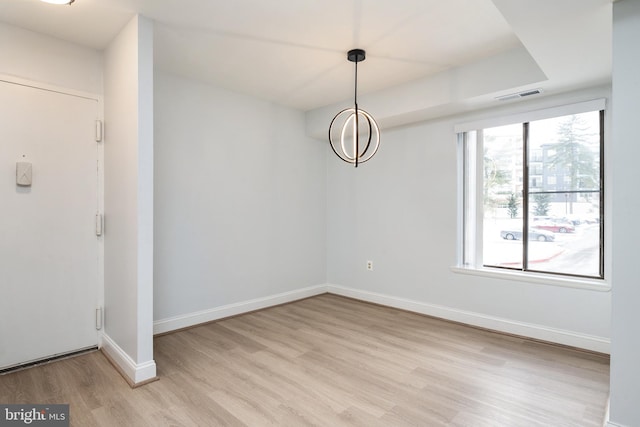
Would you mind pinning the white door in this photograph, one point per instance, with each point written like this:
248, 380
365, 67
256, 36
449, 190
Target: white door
49, 252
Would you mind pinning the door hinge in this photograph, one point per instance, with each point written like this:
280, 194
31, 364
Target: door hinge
98, 130
98, 318
99, 224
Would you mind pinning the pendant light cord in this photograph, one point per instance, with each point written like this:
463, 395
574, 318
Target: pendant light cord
355, 90
357, 129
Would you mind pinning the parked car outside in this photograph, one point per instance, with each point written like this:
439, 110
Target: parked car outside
539, 235
555, 225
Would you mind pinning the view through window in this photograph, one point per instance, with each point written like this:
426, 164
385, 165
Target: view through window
541, 184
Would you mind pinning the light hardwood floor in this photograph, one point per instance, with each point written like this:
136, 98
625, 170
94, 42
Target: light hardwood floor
331, 361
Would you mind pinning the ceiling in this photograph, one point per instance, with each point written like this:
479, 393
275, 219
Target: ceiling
293, 52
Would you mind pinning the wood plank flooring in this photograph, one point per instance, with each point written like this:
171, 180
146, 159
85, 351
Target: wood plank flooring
331, 361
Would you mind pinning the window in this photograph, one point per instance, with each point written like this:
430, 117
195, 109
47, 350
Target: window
535, 169
533, 195
535, 182
536, 155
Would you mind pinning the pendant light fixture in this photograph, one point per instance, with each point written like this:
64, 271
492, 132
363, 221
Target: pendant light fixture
354, 135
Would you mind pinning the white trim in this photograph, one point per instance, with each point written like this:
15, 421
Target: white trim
607, 416
538, 278
7, 78
198, 317
545, 333
136, 372
541, 114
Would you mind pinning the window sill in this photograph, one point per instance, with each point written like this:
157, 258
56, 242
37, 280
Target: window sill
544, 279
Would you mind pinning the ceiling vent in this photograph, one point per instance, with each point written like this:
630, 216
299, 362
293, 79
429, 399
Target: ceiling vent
519, 95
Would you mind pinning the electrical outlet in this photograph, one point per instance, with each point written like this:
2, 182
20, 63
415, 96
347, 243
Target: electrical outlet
370, 265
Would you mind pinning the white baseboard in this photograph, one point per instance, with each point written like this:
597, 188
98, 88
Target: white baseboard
135, 373
196, 318
544, 333
612, 424
570, 338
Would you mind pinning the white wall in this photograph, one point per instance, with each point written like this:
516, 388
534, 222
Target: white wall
239, 199
625, 331
400, 211
40, 58
129, 200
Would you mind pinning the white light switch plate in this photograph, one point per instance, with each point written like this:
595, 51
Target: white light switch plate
23, 174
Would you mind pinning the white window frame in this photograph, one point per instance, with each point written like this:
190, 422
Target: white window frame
469, 256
